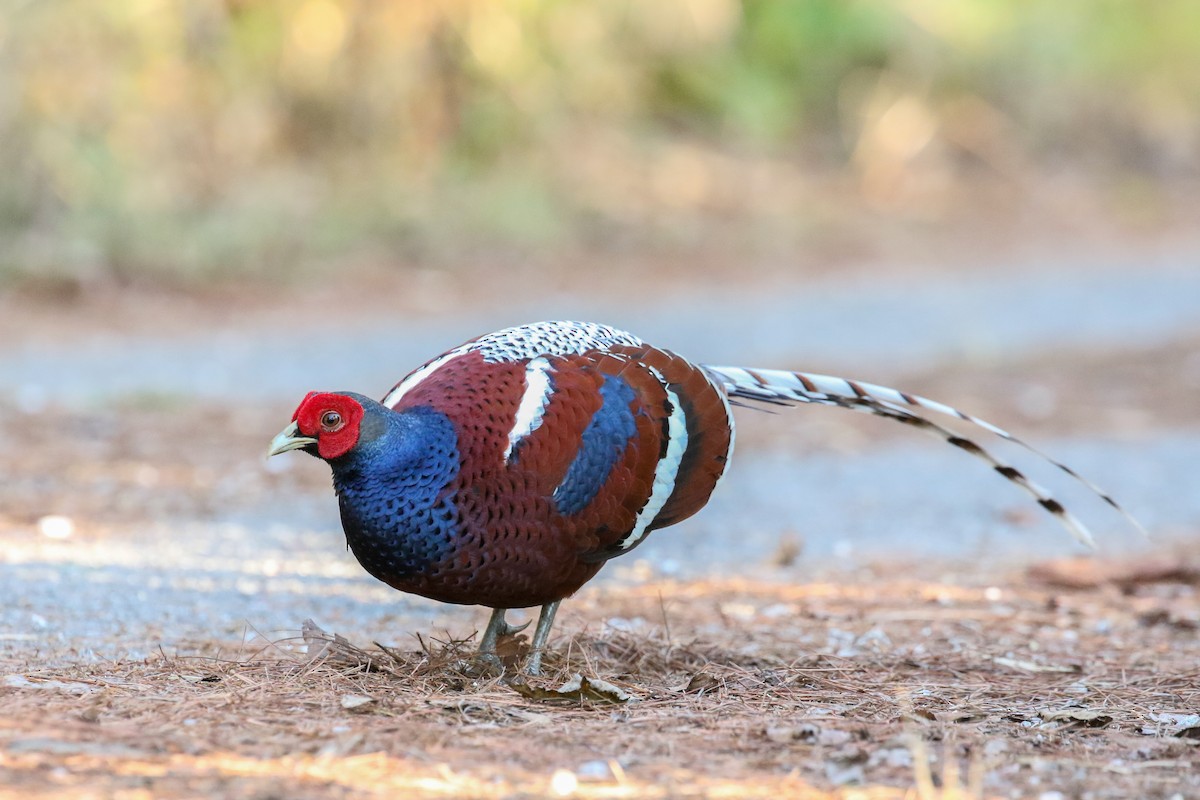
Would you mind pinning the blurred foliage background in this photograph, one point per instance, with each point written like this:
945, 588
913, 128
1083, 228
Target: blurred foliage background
184, 141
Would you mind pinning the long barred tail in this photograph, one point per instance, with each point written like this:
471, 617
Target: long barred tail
789, 388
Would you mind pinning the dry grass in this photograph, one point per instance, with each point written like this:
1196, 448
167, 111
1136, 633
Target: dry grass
855, 687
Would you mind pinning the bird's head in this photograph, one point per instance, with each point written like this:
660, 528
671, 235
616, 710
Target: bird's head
326, 424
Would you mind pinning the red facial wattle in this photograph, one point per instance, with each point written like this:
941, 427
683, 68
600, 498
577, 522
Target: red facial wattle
334, 420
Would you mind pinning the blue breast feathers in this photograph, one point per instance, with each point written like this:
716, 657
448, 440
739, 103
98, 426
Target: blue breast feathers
399, 515
604, 441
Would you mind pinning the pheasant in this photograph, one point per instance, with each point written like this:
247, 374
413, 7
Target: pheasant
508, 471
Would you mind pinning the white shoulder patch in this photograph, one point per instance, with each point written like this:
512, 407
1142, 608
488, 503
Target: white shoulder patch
533, 403
665, 472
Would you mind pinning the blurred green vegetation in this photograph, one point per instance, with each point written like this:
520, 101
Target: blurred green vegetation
189, 140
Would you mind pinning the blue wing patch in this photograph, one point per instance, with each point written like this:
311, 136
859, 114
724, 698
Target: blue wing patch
604, 441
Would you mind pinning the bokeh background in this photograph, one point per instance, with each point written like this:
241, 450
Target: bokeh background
178, 143
210, 207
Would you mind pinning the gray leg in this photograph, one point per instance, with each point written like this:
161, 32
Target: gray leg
496, 628
540, 635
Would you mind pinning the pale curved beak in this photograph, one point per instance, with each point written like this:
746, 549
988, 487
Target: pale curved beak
289, 439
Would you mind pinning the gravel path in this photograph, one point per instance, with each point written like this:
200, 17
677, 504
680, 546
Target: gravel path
877, 325
270, 564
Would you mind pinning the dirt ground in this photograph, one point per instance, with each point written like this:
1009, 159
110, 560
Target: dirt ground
934, 677
1075, 680
896, 678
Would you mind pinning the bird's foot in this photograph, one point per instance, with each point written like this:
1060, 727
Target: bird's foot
497, 629
484, 665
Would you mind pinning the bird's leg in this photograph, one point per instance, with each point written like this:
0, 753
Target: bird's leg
497, 626
540, 635
491, 634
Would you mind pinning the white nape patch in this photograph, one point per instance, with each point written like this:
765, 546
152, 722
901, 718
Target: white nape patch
523, 342
665, 472
419, 374
533, 403
549, 338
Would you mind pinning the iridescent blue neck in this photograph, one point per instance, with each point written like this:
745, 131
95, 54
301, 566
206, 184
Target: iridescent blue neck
394, 491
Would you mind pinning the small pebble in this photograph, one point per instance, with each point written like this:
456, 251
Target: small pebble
56, 526
563, 783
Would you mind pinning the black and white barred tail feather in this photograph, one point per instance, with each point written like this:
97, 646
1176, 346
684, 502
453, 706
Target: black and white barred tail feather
780, 387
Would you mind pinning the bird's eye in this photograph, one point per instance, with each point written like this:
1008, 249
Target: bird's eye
331, 420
